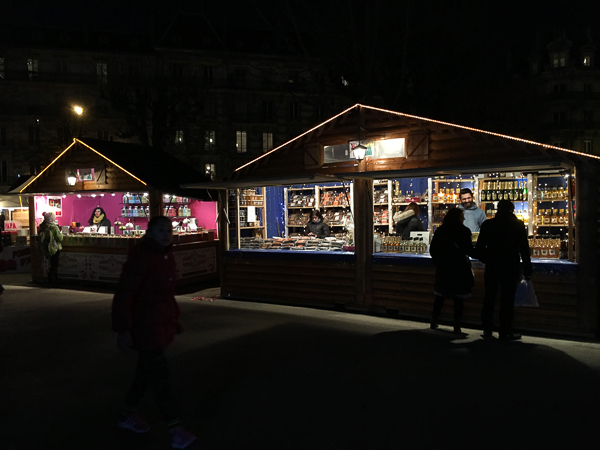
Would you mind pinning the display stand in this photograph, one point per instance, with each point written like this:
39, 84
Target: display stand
247, 215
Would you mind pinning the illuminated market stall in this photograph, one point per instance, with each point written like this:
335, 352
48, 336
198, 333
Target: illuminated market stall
363, 166
129, 184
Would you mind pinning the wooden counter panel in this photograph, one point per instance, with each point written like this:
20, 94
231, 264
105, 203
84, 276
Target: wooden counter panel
302, 282
409, 290
299, 272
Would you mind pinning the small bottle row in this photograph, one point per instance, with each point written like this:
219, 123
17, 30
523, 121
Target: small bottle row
493, 191
395, 244
552, 217
548, 246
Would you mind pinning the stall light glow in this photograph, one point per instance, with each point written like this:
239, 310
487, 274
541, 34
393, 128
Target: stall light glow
113, 194
78, 110
71, 179
94, 195
359, 152
78, 195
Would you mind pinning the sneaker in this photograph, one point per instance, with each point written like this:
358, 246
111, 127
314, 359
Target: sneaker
134, 423
510, 337
181, 438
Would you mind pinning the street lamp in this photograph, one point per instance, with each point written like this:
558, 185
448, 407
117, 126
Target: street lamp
79, 111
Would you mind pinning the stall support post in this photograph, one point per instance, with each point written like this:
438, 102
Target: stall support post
32, 223
586, 247
223, 232
37, 259
156, 203
363, 240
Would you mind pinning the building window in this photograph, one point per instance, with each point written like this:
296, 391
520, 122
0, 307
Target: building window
294, 110
62, 66
240, 142
103, 135
209, 140
32, 69
319, 113
559, 60
588, 87
560, 117
177, 70
3, 136
102, 73
2, 73
34, 136
209, 171
241, 110
560, 87
208, 74
267, 142
3, 171
587, 61
240, 76
588, 116
587, 146
267, 110
179, 137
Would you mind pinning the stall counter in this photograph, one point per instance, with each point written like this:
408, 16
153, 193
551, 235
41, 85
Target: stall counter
100, 259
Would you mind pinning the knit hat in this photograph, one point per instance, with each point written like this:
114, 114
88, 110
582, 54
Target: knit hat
49, 217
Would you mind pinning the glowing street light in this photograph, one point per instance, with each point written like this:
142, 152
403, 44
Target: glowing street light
78, 110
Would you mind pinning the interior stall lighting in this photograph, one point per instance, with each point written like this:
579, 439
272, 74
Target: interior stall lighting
359, 152
71, 179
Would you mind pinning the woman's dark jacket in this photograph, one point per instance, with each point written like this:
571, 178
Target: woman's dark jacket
450, 249
407, 224
103, 223
321, 229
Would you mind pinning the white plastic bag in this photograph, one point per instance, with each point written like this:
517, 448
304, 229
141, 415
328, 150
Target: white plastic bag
525, 294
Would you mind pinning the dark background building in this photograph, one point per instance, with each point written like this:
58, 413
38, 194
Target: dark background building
217, 85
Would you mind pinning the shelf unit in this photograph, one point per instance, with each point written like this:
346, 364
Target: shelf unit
335, 203
239, 203
299, 202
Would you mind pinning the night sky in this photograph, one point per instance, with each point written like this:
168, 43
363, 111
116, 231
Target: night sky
434, 58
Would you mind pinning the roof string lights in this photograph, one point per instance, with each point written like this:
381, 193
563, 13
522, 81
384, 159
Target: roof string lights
504, 136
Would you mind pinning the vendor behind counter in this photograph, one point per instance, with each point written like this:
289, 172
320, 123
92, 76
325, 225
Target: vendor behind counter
316, 227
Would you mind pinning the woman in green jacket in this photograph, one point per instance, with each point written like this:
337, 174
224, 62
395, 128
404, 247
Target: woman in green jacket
50, 242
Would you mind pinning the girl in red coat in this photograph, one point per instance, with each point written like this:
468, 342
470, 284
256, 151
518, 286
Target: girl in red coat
145, 316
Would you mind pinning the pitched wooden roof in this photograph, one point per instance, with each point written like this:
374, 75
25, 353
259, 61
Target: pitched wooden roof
432, 147
117, 167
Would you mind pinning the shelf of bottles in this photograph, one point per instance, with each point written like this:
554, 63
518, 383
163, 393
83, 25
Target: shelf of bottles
445, 194
506, 186
542, 200
395, 244
247, 214
552, 211
392, 196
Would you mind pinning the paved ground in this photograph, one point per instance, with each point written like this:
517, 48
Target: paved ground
256, 376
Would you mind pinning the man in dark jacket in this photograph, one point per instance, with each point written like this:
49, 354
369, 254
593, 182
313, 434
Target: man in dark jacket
501, 245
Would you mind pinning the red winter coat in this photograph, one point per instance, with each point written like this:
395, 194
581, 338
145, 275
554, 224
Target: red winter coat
144, 303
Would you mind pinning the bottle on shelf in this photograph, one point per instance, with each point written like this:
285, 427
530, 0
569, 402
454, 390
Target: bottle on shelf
435, 197
547, 217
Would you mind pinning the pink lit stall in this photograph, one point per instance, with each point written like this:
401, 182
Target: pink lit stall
129, 192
